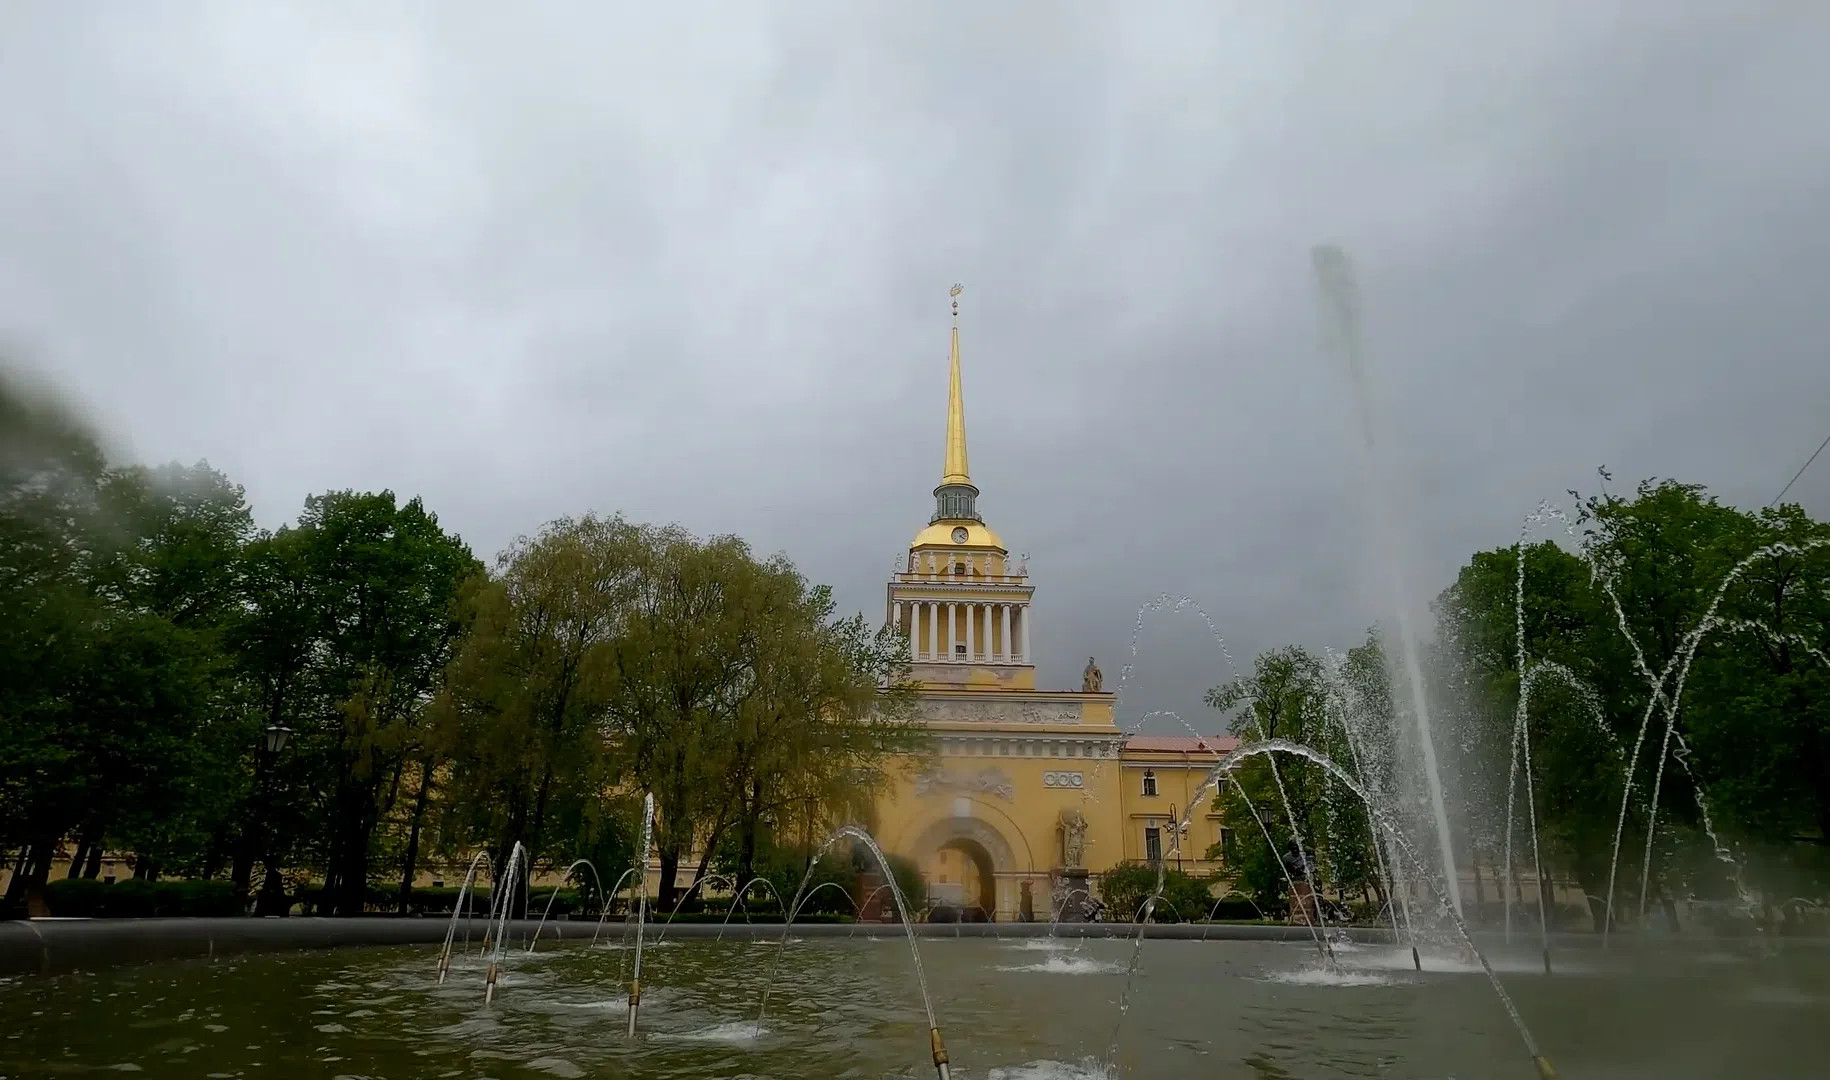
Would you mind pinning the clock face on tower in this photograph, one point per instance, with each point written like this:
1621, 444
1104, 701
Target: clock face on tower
960, 534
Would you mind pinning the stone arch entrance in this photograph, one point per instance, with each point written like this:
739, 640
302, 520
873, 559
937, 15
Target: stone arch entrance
977, 893
969, 866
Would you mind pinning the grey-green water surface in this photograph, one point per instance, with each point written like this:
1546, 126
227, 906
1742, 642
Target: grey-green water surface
1015, 1010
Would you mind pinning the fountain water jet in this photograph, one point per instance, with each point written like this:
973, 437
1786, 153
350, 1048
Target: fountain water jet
1341, 303
458, 910
641, 916
605, 913
742, 896
586, 863
680, 903
864, 907
1224, 769
937, 1047
503, 904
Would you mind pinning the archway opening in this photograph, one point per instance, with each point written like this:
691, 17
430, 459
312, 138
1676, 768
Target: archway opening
966, 882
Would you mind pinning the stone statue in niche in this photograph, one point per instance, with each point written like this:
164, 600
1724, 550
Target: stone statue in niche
1023, 565
1091, 679
1073, 838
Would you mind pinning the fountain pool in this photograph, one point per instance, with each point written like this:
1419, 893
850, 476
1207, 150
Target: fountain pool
1012, 1009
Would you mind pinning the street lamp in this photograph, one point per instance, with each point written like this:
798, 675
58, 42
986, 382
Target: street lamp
272, 898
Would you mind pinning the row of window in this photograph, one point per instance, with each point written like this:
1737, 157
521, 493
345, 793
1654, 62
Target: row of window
1153, 845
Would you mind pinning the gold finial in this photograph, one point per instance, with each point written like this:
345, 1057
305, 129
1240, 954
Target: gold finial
956, 470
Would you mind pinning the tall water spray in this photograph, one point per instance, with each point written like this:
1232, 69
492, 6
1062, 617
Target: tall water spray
1341, 317
641, 911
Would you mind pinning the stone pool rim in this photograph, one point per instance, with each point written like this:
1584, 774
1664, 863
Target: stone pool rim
46, 946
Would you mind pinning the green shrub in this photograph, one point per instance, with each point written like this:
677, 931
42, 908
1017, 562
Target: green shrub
138, 899
442, 900
75, 897
564, 901
1235, 907
129, 899
198, 898
1125, 887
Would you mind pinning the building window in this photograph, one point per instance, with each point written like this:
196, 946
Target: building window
959, 569
1149, 783
959, 650
1153, 844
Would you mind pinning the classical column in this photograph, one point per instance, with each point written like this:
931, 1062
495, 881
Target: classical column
1023, 617
896, 621
933, 628
952, 634
1009, 653
971, 612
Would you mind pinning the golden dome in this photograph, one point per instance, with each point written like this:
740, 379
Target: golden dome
940, 534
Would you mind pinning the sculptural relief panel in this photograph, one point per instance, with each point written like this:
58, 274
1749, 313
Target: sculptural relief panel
998, 712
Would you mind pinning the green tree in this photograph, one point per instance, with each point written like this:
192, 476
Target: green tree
736, 700
1582, 697
1289, 695
829, 702
382, 580
527, 695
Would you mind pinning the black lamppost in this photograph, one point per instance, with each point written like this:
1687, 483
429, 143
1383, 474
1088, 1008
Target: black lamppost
272, 898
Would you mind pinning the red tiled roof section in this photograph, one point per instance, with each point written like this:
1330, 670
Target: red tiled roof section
1183, 744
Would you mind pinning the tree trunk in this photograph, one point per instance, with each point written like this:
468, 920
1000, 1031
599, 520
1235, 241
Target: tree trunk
77, 858
15, 885
540, 799
746, 849
351, 894
350, 853
670, 865
37, 871
410, 870
94, 866
272, 898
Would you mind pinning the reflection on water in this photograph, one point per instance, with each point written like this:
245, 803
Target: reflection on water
848, 1009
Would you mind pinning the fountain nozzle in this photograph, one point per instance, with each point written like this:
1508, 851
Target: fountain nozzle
1416, 960
489, 985
940, 1054
1544, 1067
635, 1001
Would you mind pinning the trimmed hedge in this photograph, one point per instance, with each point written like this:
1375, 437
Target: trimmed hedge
137, 899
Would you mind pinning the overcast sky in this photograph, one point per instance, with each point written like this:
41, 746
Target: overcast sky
693, 266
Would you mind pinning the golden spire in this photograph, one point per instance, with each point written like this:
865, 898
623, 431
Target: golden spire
956, 471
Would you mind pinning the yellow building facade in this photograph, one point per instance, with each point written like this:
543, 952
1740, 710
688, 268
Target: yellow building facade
1026, 790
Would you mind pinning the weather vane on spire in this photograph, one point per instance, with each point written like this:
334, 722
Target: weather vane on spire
954, 293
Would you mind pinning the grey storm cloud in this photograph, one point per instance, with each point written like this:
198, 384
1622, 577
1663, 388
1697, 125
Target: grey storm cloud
690, 262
